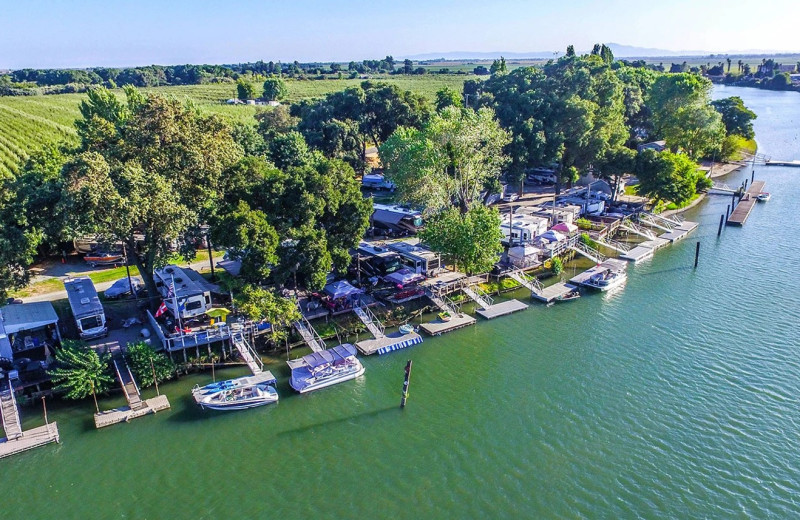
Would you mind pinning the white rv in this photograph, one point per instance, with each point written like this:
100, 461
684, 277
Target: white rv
90, 317
192, 299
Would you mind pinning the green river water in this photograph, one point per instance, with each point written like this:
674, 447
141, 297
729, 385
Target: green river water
674, 398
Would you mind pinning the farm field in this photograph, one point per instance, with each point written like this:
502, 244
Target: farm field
29, 122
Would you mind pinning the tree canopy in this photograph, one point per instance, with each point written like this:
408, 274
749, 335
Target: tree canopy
737, 118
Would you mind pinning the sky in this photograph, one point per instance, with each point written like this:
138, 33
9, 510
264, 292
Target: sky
84, 33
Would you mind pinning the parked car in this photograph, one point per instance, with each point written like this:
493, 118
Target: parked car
510, 197
122, 288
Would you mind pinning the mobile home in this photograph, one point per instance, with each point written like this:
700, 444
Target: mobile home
86, 307
192, 299
522, 229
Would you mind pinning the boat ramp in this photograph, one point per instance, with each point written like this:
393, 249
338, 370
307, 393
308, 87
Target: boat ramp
17, 440
745, 206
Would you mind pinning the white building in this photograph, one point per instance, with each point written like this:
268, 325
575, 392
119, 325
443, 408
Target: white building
522, 229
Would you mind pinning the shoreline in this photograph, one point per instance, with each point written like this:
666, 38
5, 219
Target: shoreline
727, 169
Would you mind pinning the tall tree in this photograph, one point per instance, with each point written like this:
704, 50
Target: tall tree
245, 90
738, 119
470, 240
448, 161
274, 89
151, 180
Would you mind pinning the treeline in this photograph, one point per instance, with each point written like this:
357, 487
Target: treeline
27, 82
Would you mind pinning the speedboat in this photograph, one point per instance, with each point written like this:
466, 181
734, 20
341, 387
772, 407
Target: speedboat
445, 316
572, 295
606, 280
325, 368
94, 259
763, 196
237, 394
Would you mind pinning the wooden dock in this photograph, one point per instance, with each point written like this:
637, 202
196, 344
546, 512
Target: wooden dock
126, 413
29, 439
745, 206
501, 309
17, 440
388, 343
680, 232
438, 326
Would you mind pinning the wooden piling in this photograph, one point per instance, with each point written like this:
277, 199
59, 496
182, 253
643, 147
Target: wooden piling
721, 223
406, 381
696, 254
752, 177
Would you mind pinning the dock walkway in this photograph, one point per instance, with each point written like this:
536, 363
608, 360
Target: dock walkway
17, 440
137, 406
541, 293
745, 206
489, 309
439, 326
249, 355
309, 335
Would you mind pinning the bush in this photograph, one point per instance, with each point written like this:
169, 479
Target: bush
557, 266
586, 239
139, 360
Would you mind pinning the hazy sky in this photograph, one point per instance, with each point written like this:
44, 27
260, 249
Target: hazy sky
81, 33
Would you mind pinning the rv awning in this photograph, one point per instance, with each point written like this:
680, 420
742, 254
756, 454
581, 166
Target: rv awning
27, 316
340, 289
404, 277
387, 217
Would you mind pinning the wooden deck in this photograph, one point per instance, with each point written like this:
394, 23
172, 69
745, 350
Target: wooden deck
29, 439
745, 206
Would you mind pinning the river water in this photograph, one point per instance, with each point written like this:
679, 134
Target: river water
674, 398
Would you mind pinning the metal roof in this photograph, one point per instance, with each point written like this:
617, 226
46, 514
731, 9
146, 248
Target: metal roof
27, 316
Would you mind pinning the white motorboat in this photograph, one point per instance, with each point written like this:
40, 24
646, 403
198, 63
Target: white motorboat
325, 368
763, 196
606, 280
237, 394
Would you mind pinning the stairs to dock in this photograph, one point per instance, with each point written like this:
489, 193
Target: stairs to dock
659, 222
636, 229
309, 335
249, 355
128, 384
10, 413
587, 251
442, 302
477, 294
532, 284
616, 245
369, 319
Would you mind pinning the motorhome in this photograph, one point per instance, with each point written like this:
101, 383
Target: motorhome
396, 218
541, 176
192, 299
90, 318
378, 260
417, 257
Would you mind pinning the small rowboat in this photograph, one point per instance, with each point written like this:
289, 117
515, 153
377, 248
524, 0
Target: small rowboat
572, 295
763, 196
95, 259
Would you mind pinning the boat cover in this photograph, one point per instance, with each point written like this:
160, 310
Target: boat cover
341, 289
331, 355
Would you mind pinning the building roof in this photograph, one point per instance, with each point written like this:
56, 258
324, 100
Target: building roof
82, 297
388, 217
27, 316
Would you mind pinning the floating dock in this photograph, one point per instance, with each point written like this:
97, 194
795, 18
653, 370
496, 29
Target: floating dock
680, 232
17, 440
501, 309
611, 263
795, 164
745, 206
457, 321
388, 343
136, 406
538, 291
644, 250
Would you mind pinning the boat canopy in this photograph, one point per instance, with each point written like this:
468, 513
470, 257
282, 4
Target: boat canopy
331, 355
341, 289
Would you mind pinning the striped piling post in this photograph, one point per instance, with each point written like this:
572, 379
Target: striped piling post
405, 384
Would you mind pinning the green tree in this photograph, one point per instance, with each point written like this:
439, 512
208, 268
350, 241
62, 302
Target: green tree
248, 237
156, 173
275, 89
470, 240
696, 129
448, 161
667, 176
245, 90
670, 92
143, 361
447, 97
259, 304
737, 118
498, 66
288, 150
80, 371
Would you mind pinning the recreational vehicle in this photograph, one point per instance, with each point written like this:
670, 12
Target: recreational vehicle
418, 258
86, 307
175, 286
396, 218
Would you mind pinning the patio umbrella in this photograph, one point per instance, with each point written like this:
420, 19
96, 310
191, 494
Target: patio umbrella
219, 313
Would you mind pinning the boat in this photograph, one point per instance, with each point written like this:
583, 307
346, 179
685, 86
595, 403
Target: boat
325, 368
445, 316
406, 329
763, 196
572, 295
95, 259
606, 280
237, 394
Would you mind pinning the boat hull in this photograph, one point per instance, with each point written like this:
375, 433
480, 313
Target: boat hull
239, 405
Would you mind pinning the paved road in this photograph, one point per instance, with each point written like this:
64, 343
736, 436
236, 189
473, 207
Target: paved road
54, 271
